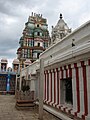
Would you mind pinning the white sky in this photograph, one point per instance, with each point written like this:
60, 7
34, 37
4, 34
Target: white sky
14, 14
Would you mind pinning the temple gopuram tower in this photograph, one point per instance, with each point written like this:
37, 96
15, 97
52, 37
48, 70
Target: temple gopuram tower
34, 39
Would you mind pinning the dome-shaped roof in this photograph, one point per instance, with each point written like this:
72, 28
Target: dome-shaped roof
15, 61
4, 60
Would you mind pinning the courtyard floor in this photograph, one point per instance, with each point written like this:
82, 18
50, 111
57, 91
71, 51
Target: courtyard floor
9, 112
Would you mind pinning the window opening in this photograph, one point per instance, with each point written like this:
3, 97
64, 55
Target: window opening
38, 44
38, 25
68, 90
38, 33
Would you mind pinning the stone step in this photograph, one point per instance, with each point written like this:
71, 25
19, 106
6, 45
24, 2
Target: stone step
25, 104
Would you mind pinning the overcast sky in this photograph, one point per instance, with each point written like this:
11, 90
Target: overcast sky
14, 14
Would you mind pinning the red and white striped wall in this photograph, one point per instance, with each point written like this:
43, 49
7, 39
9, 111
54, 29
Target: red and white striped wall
88, 88
54, 93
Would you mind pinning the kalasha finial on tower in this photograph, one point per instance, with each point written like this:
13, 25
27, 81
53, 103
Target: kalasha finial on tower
60, 16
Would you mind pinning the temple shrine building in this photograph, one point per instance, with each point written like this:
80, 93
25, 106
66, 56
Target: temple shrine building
8, 76
66, 80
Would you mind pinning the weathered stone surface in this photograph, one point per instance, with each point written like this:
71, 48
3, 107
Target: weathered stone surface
9, 112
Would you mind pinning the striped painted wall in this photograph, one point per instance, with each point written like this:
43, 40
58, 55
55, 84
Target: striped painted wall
54, 93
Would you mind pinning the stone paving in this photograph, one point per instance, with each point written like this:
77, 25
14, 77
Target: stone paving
9, 112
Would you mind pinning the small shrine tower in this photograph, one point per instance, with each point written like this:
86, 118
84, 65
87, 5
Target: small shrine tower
34, 39
59, 31
16, 66
4, 63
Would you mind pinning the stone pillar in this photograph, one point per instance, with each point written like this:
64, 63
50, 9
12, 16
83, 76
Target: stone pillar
52, 102
16, 85
50, 94
52, 86
20, 83
55, 87
44, 86
46, 75
82, 84
37, 86
41, 89
32, 84
59, 78
49, 89
75, 83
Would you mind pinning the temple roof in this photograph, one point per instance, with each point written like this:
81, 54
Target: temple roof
15, 61
60, 30
61, 25
4, 60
